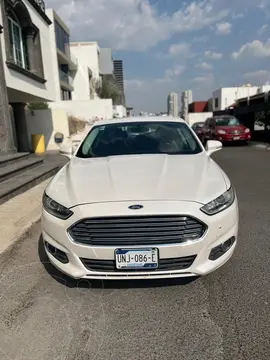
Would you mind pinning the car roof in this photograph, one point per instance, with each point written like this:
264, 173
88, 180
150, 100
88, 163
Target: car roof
222, 116
140, 119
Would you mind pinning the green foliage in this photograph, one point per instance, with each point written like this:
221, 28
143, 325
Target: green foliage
107, 88
38, 106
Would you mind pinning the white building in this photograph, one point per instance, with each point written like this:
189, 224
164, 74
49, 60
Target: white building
172, 104
225, 97
187, 99
64, 65
26, 61
87, 54
84, 73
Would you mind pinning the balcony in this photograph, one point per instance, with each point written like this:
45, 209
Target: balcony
66, 58
66, 80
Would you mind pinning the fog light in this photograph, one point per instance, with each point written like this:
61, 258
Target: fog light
221, 249
227, 245
58, 254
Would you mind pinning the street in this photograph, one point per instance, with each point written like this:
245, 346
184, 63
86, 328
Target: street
223, 316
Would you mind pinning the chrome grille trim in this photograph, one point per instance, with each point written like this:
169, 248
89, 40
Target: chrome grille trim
137, 230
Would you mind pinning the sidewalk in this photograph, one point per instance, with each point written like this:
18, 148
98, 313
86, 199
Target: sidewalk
260, 145
19, 214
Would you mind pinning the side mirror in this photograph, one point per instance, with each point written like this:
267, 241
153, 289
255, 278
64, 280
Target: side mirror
213, 146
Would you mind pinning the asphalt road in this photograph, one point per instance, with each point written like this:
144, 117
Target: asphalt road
223, 316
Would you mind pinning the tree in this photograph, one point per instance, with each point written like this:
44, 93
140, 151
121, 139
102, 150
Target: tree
107, 88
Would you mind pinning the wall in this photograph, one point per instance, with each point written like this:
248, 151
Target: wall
47, 122
228, 96
86, 110
106, 61
87, 57
20, 83
55, 71
198, 106
198, 117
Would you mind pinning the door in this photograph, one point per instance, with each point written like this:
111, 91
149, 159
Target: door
212, 129
207, 129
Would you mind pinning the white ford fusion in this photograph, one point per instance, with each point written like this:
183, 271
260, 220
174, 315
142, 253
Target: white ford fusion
140, 198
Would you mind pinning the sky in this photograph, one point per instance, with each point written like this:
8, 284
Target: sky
174, 45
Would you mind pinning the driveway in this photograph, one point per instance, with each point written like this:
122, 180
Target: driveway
223, 316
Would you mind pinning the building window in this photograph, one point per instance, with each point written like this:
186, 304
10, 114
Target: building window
18, 45
65, 95
216, 103
62, 38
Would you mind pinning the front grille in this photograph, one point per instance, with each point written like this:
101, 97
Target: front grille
164, 264
137, 230
235, 132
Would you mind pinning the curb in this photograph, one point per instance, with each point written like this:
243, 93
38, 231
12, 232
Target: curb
261, 146
9, 250
15, 222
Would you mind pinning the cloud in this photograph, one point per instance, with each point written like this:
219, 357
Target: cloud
201, 39
255, 48
200, 79
175, 71
224, 28
134, 83
179, 49
213, 55
259, 76
204, 66
262, 30
133, 24
238, 16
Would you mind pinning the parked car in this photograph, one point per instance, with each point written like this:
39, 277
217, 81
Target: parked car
150, 206
198, 128
225, 128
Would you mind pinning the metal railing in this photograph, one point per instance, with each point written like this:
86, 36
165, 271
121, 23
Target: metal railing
65, 77
41, 4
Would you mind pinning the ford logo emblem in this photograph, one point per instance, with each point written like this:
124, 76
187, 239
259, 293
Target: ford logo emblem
135, 207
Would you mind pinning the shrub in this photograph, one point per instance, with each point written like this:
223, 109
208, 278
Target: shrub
38, 106
75, 124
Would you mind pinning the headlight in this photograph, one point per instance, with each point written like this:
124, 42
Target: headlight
247, 130
220, 203
222, 132
55, 209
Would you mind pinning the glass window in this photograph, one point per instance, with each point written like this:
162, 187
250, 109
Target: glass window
227, 121
197, 125
62, 38
131, 138
65, 94
18, 45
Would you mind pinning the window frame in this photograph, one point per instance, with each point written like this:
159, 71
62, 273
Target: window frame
16, 24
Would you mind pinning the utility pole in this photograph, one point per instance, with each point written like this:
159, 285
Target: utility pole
6, 134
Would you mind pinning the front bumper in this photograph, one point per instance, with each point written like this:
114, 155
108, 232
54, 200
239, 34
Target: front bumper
221, 227
233, 137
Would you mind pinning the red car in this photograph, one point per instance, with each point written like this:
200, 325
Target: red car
225, 128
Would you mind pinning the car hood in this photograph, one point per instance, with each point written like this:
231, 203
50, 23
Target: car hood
232, 128
160, 177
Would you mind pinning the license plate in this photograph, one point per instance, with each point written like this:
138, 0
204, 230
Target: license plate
236, 138
136, 258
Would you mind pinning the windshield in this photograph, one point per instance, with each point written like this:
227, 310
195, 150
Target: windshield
227, 121
197, 125
133, 138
